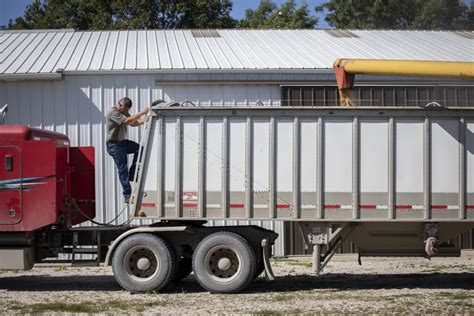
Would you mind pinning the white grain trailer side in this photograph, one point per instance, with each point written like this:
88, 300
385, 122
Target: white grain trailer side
395, 181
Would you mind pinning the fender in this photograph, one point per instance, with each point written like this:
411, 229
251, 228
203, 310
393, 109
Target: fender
133, 231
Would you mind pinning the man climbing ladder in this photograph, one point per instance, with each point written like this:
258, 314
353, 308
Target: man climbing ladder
118, 146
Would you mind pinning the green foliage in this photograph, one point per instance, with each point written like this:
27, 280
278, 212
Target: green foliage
398, 14
205, 14
125, 14
471, 16
158, 14
269, 15
53, 14
133, 14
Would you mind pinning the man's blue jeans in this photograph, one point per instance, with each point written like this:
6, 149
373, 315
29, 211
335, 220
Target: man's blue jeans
119, 152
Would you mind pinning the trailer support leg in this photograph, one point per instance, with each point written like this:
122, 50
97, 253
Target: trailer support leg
316, 235
316, 259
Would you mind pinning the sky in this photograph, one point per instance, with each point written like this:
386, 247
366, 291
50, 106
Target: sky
10, 9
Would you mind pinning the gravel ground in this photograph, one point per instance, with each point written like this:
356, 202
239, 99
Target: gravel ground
380, 285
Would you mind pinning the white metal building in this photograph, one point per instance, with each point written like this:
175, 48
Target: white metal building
65, 81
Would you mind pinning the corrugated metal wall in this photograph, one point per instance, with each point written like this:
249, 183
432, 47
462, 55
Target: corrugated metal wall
76, 106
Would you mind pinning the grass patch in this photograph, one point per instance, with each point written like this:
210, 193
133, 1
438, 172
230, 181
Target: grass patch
292, 262
447, 268
56, 307
84, 307
401, 303
456, 295
143, 306
283, 297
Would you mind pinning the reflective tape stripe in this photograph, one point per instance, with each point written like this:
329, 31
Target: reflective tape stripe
213, 205
328, 206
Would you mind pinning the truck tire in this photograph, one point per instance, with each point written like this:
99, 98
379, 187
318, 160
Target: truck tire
185, 267
144, 262
224, 262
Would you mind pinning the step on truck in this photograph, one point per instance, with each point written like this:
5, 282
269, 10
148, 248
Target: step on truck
395, 181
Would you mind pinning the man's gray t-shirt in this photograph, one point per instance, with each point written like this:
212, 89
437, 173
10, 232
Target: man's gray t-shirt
116, 129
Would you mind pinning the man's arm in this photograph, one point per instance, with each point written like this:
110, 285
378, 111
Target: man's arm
132, 119
137, 122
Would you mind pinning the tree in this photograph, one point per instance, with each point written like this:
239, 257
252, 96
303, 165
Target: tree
125, 14
205, 14
442, 14
269, 15
77, 14
53, 14
397, 14
471, 16
134, 14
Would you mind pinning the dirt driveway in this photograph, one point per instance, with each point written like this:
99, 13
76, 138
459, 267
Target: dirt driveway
380, 285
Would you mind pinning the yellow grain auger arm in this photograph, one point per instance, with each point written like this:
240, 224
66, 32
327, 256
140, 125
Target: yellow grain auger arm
346, 69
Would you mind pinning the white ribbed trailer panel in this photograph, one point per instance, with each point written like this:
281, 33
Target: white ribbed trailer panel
331, 164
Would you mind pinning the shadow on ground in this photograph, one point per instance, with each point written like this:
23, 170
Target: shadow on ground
340, 282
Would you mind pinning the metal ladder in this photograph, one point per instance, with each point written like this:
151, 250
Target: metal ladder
144, 152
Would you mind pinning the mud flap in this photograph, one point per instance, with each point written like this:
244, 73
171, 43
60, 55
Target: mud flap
269, 276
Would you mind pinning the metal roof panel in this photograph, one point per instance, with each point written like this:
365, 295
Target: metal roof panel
209, 57
9, 47
131, 51
174, 51
23, 52
6, 41
163, 51
69, 50
110, 51
120, 50
221, 58
33, 51
78, 52
256, 55
89, 51
185, 52
152, 51
142, 51
99, 53
237, 49
196, 54
46, 53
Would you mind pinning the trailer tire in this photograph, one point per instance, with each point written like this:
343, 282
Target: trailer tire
143, 263
185, 267
224, 262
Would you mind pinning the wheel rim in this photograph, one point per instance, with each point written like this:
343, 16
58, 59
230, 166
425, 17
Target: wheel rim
222, 263
141, 263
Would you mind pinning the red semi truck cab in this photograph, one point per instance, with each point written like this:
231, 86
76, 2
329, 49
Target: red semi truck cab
38, 168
